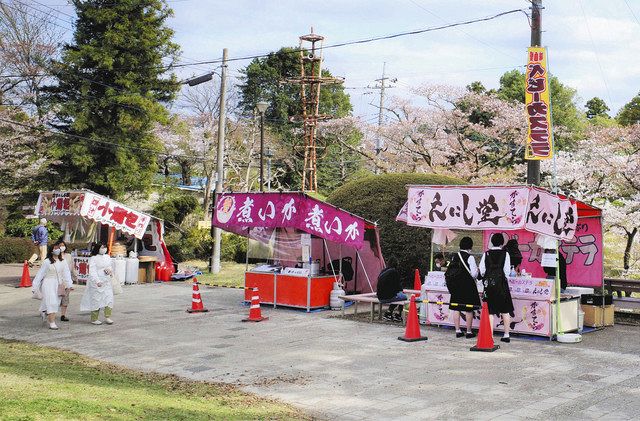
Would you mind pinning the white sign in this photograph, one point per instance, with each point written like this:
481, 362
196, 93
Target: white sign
549, 260
295, 271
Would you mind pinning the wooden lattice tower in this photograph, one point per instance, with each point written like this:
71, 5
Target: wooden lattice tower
310, 81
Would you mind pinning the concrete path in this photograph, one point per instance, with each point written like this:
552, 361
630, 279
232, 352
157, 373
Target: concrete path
341, 369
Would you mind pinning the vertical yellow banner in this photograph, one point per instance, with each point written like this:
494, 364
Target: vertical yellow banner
538, 106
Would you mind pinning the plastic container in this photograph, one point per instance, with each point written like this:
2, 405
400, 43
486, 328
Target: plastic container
119, 266
132, 265
580, 321
569, 338
334, 302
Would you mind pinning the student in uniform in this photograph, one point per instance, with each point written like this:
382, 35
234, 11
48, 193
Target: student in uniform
495, 266
461, 281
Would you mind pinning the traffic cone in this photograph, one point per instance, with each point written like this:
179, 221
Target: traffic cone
255, 315
485, 335
196, 300
416, 281
25, 281
412, 331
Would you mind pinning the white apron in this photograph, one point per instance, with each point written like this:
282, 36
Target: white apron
96, 297
47, 280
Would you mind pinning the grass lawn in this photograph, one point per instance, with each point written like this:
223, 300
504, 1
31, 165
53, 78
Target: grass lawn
231, 274
41, 383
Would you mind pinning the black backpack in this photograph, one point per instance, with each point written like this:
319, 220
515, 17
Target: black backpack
455, 271
494, 278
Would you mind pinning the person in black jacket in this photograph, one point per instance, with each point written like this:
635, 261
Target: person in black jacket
551, 272
461, 283
390, 289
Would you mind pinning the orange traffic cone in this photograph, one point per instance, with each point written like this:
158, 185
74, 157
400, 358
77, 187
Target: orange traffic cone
196, 300
255, 315
412, 331
25, 281
485, 335
416, 281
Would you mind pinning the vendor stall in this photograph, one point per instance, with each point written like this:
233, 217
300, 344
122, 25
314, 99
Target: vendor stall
543, 224
302, 245
87, 217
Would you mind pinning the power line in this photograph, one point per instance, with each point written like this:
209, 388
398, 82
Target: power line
36, 16
632, 12
372, 39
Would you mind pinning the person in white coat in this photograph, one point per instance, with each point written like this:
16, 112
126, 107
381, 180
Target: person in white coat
52, 280
99, 292
68, 259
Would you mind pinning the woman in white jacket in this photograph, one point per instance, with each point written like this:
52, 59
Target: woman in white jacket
99, 292
52, 278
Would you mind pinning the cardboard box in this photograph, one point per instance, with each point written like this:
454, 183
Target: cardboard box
593, 315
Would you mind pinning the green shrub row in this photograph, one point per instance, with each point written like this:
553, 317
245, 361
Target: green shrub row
15, 250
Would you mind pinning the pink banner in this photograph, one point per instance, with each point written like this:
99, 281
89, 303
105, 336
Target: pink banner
583, 253
296, 210
481, 208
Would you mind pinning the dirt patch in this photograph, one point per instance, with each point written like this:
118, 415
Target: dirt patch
285, 378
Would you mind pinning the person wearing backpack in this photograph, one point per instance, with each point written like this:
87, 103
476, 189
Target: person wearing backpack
461, 282
495, 266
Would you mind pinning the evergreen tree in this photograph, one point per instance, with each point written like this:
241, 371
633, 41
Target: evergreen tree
630, 113
264, 80
596, 107
111, 86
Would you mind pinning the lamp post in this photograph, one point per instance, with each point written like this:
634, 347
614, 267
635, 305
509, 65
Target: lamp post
269, 155
262, 107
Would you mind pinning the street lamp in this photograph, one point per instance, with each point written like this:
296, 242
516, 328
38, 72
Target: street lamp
262, 107
269, 155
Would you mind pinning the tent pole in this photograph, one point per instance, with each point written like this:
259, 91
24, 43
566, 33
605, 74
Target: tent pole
333, 270
246, 264
364, 270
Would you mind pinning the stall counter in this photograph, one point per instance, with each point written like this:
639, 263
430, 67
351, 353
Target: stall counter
533, 301
308, 292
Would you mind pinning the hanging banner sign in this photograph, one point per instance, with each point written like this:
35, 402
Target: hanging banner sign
59, 203
538, 106
482, 208
273, 210
106, 211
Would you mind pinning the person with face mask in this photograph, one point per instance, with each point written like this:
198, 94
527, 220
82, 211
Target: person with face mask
99, 292
51, 280
68, 259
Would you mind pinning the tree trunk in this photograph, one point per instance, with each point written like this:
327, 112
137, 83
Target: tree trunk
185, 171
627, 250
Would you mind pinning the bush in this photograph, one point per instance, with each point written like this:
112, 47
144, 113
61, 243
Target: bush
22, 227
233, 248
379, 199
15, 250
175, 209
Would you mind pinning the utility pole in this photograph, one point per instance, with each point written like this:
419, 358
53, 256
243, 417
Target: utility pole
382, 88
217, 234
533, 166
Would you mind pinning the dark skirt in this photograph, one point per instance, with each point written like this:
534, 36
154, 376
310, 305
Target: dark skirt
500, 305
464, 295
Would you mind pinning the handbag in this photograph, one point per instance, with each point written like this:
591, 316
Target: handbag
115, 285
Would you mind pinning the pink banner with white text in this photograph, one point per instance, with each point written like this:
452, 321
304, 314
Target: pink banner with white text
294, 210
485, 207
583, 253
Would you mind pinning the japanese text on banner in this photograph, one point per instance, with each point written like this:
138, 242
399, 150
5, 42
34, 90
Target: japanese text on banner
106, 211
538, 106
465, 208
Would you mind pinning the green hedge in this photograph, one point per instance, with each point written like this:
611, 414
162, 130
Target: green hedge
15, 250
22, 227
379, 199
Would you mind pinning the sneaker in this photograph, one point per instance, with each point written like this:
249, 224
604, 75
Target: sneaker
459, 334
64, 319
470, 335
397, 318
507, 339
53, 326
108, 321
44, 316
388, 317
97, 322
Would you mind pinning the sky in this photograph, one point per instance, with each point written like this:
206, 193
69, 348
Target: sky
593, 45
